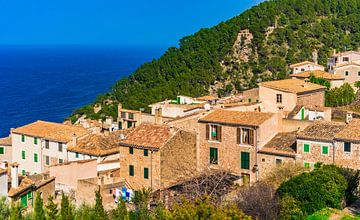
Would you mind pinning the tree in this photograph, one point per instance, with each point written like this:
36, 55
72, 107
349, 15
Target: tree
39, 212
289, 209
4, 208
66, 211
357, 84
51, 209
15, 212
120, 213
99, 208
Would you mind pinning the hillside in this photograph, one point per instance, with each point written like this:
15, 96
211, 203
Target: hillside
225, 58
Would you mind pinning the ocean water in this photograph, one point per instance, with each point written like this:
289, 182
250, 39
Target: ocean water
49, 82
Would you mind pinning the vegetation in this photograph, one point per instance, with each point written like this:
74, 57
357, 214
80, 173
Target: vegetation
341, 96
206, 58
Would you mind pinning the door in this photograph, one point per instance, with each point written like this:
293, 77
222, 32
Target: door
303, 113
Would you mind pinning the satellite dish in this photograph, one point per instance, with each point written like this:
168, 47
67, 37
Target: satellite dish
207, 107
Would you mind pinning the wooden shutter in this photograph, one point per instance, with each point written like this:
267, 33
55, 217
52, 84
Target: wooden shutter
238, 135
251, 137
218, 133
207, 132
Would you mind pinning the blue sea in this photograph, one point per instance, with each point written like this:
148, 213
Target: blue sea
49, 82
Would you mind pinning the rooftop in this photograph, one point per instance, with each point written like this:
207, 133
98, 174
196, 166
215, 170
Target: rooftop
281, 144
303, 63
148, 136
52, 131
296, 86
321, 131
237, 117
6, 141
206, 98
28, 182
318, 74
351, 132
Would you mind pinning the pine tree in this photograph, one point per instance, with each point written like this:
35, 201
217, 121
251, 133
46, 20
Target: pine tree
99, 208
15, 212
120, 213
39, 212
51, 209
66, 212
4, 208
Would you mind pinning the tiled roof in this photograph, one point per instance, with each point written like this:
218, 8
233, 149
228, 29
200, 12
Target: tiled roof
6, 141
97, 145
351, 132
28, 182
303, 63
321, 131
281, 144
148, 136
52, 131
296, 86
206, 98
319, 74
236, 117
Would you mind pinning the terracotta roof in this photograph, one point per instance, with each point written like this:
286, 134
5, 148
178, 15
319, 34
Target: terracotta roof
27, 182
321, 131
6, 141
319, 74
52, 131
351, 132
206, 98
304, 63
283, 144
237, 117
97, 145
296, 86
148, 136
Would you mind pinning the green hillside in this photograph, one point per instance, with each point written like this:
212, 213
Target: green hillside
205, 61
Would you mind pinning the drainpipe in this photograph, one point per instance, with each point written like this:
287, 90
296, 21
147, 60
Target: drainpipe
333, 143
256, 155
151, 169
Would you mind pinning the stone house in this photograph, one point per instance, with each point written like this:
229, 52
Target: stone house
230, 140
40, 144
336, 80
128, 118
339, 59
350, 71
5, 149
311, 113
316, 143
155, 156
285, 95
305, 66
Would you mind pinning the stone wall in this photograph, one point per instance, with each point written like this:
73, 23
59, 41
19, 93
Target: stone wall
312, 99
268, 163
315, 155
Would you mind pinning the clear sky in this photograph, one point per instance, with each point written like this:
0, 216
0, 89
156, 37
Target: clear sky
111, 22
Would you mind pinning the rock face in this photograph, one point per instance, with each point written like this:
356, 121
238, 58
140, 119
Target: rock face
241, 48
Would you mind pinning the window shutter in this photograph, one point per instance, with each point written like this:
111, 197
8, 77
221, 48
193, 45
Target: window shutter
218, 133
207, 132
238, 133
251, 137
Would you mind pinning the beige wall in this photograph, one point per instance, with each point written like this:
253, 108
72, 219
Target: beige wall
291, 125
306, 67
268, 100
267, 163
353, 73
312, 99
345, 159
315, 155
7, 153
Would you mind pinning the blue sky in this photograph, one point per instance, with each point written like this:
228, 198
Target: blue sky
110, 22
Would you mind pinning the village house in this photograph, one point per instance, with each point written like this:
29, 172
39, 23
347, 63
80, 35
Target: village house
338, 59
40, 144
128, 118
305, 66
334, 79
311, 113
156, 156
5, 149
285, 95
230, 140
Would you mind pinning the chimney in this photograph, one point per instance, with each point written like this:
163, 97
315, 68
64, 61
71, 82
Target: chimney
74, 140
158, 116
15, 175
349, 117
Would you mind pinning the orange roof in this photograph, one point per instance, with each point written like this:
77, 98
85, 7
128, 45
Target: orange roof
296, 86
206, 98
319, 74
283, 144
5, 141
27, 182
52, 131
324, 131
304, 63
351, 132
236, 117
148, 136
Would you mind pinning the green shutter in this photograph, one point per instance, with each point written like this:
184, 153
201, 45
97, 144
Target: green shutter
77, 155
35, 140
146, 152
213, 155
23, 201
245, 160
29, 195
306, 148
146, 173
1, 150
23, 155
306, 165
325, 150
35, 157
131, 170
23, 172
131, 150
22, 138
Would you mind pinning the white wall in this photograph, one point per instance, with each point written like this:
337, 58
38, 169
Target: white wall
3, 185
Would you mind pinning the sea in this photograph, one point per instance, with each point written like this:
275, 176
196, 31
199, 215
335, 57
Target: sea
50, 82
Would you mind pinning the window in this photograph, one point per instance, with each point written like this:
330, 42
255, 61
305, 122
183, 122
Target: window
131, 115
60, 147
29, 195
2, 150
247, 136
131, 150
120, 125
346, 59
278, 162
263, 159
325, 150
35, 140
23, 156
307, 165
146, 173
23, 172
22, 138
359, 73
131, 170
306, 148
347, 147
123, 114
213, 132
35, 157
129, 124
346, 73
278, 98
245, 160
146, 152
47, 144
213, 155
77, 155
61, 161
23, 201
47, 160
302, 70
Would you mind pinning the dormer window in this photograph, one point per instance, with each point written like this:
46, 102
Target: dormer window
213, 132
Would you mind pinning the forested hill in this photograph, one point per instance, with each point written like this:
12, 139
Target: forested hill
216, 60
